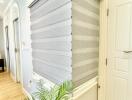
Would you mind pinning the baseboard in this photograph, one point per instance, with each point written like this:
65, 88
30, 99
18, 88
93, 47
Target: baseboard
79, 91
12, 77
27, 93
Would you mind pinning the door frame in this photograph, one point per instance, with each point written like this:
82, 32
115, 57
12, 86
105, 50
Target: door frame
20, 69
6, 29
103, 49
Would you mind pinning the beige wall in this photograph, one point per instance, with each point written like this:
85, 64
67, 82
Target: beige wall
90, 94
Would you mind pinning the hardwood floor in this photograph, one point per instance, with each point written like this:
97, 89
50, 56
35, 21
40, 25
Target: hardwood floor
9, 90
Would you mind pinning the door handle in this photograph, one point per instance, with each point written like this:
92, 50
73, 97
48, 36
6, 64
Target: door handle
128, 51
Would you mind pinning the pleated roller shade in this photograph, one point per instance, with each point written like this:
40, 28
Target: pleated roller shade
51, 39
65, 39
85, 40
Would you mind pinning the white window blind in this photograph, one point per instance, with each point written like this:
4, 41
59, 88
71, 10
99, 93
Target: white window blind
85, 36
59, 55
51, 39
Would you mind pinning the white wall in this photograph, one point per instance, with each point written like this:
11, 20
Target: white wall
9, 16
2, 52
24, 24
25, 42
8, 22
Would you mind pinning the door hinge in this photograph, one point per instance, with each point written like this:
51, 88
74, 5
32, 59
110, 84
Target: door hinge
98, 86
108, 11
106, 62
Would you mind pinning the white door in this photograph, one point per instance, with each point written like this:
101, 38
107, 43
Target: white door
17, 50
119, 68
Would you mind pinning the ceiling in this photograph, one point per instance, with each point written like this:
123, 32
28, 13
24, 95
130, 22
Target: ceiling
3, 5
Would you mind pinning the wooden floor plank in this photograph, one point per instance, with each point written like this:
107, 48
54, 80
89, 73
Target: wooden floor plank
10, 90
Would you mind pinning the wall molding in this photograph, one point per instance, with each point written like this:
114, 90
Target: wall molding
12, 77
27, 93
79, 91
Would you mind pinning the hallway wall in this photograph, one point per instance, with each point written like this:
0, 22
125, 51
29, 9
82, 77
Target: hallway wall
8, 21
25, 44
2, 52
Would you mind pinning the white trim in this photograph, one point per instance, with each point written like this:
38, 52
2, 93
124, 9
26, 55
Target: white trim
79, 91
27, 93
12, 77
29, 2
103, 49
8, 6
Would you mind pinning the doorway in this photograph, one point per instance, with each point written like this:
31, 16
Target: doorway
17, 49
7, 50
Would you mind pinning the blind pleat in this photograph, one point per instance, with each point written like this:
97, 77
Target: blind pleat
51, 39
85, 29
